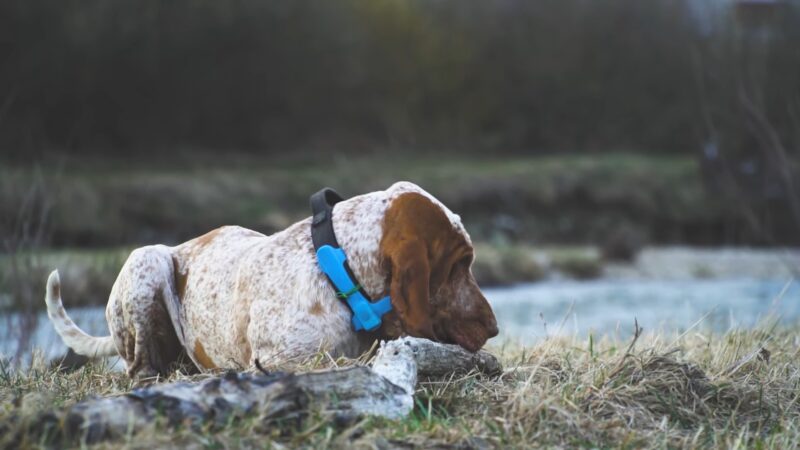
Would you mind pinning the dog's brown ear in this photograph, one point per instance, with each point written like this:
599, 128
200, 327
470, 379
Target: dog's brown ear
410, 287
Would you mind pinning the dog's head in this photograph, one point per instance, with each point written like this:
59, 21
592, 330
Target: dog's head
428, 255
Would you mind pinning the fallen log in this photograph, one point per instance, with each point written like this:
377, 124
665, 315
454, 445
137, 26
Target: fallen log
385, 389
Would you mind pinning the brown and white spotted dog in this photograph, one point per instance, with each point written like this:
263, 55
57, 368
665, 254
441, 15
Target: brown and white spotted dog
234, 295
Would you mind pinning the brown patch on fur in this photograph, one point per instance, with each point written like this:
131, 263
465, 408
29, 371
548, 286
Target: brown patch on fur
184, 257
414, 231
202, 358
427, 257
241, 318
247, 352
316, 309
181, 278
57, 290
203, 241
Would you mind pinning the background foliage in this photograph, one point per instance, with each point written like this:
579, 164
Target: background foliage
100, 76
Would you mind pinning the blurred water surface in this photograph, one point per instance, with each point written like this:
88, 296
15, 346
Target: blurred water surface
529, 312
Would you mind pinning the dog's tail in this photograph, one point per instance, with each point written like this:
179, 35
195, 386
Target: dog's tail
73, 337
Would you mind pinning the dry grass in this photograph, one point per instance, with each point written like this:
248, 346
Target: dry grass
694, 390
558, 198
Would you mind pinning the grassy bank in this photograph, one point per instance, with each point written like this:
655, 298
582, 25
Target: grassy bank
510, 206
554, 199
693, 390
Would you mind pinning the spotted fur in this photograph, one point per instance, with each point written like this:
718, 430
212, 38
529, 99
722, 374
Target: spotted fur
234, 296
73, 336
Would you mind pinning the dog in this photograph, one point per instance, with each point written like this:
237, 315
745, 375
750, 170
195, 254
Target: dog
234, 297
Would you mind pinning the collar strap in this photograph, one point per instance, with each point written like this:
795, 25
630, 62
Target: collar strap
333, 263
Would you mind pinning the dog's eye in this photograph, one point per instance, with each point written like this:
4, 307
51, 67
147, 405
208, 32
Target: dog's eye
461, 265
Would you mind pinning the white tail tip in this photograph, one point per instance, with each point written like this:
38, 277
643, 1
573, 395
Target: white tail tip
53, 287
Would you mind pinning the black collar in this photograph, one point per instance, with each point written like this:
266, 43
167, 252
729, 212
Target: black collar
322, 233
333, 263
322, 223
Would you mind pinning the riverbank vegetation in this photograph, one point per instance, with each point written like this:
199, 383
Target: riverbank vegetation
530, 217
554, 199
735, 390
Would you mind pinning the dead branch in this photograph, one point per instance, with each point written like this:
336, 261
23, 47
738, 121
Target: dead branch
385, 389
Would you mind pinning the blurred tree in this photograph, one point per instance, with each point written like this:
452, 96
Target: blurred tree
750, 97
100, 76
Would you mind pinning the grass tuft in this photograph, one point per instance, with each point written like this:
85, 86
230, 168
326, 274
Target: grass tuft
735, 390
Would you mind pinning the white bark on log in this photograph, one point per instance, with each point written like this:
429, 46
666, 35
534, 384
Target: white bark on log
437, 360
386, 389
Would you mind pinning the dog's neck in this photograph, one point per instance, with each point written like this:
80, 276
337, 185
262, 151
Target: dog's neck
357, 223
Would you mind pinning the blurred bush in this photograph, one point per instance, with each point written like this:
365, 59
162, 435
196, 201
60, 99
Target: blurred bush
505, 264
623, 243
108, 76
581, 264
618, 202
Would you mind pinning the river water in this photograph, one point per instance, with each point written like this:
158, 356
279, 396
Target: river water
529, 312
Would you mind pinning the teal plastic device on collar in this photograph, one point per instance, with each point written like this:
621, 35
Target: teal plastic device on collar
333, 263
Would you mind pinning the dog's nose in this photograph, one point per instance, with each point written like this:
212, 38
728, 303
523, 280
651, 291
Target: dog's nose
491, 328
